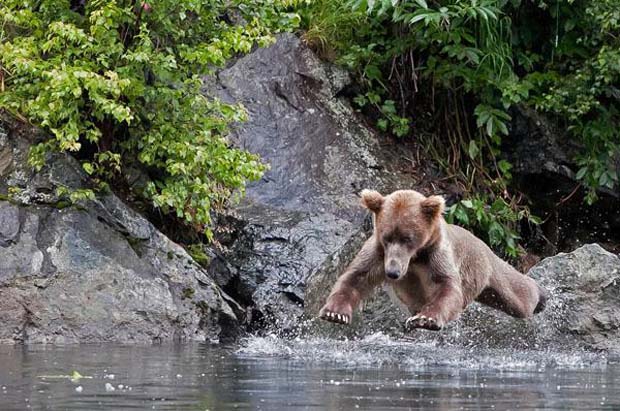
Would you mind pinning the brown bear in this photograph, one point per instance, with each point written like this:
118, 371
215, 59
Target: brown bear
436, 269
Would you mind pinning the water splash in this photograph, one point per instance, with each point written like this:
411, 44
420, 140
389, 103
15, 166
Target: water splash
379, 349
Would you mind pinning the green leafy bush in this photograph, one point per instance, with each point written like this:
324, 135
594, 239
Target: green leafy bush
461, 65
577, 78
495, 222
118, 82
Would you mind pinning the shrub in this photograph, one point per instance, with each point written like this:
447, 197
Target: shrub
462, 64
118, 82
577, 78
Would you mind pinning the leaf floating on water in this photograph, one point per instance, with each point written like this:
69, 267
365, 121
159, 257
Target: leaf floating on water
73, 377
76, 376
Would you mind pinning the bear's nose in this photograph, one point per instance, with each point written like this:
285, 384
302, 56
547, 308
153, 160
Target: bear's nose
392, 273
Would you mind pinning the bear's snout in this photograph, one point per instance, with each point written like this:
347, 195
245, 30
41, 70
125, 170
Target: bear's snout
392, 270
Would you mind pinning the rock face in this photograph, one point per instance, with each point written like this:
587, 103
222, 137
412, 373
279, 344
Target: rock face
544, 170
304, 214
583, 310
536, 146
99, 273
302, 224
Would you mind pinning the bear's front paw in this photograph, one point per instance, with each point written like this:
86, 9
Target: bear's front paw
334, 317
422, 321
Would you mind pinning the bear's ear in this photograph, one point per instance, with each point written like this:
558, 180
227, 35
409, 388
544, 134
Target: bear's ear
433, 206
372, 200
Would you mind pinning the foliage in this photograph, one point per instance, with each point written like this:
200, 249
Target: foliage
460, 65
329, 26
198, 254
118, 82
390, 119
495, 222
74, 196
581, 85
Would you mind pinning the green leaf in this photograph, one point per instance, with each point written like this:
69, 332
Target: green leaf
504, 166
461, 215
88, 167
605, 181
467, 203
581, 173
535, 220
473, 150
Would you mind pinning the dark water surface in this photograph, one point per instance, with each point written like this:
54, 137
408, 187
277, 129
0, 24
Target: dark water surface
272, 374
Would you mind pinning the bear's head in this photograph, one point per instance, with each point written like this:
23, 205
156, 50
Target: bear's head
405, 224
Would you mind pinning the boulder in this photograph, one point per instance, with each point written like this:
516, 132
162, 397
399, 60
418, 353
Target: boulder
584, 305
95, 272
304, 213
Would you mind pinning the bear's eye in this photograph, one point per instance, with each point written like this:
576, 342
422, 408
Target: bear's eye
388, 238
408, 239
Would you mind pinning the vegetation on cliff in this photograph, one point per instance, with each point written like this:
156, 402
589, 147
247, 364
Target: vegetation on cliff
118, 82
461, 65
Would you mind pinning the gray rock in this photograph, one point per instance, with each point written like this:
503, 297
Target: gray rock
544, 160
275, 253
536, 146
582, 310
302, 214
9, 223
585, 297
319, 151
95, 273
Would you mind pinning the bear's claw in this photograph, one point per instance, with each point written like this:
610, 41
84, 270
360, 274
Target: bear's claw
335, 317
422, 321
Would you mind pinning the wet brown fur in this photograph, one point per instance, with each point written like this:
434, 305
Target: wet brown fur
441, 268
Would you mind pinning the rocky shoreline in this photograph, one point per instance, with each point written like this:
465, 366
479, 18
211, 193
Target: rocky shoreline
101, 272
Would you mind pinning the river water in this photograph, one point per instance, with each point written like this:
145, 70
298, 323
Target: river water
268, 373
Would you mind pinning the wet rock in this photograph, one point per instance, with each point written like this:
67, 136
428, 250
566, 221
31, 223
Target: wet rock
319, 151
544, 170
536, 146
305, 211
585, 297
582, 310
274, 256
9, 223
96, 272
